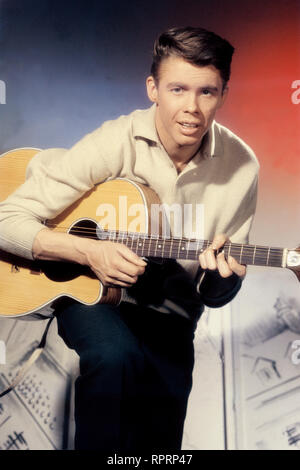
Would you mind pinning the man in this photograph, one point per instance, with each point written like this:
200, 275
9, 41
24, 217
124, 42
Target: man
136, 361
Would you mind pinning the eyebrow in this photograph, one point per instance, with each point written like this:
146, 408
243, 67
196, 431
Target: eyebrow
182, 85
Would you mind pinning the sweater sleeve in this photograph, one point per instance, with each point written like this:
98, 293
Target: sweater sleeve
215, 290
55, 178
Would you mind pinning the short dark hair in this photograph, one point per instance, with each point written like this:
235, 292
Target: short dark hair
195, 45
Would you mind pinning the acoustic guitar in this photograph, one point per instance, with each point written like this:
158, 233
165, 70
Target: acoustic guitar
34, 287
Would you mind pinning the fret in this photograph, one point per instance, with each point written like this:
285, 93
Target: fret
149, 245
118, 238
131, 238
163, 246
188, 249
143, 245
184, 250
180, 249
110, 235
123, 237
254, 251
241, 254
135, 241
229, 247
171, 246
284, 258
268, 257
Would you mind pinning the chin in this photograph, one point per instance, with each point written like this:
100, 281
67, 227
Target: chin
188, 142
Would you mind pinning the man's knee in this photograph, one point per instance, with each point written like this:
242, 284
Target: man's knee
111, 358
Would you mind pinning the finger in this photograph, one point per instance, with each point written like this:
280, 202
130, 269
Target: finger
116, 283
239, 269
202, 261
121, 278
223, 267
112, 281
207, 259
218, 241
210, 259
120, 282
125, 267
130, 256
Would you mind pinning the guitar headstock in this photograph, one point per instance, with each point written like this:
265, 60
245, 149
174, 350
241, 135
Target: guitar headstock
293, 261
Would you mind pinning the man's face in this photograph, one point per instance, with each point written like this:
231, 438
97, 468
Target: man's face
187, 98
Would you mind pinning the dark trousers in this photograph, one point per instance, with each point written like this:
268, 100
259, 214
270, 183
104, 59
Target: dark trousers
135, 376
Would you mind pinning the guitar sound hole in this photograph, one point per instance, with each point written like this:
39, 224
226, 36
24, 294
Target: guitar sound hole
84, 228
61, 271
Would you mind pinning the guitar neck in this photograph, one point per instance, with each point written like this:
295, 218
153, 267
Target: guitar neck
185, 248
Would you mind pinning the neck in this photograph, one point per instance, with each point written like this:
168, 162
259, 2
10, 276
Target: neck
186, 248
181, 155
180, 161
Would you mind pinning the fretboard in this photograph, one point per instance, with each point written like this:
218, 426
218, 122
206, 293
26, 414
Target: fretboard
185, 248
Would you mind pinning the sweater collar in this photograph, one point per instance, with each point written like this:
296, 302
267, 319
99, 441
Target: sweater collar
211, 145
144, 125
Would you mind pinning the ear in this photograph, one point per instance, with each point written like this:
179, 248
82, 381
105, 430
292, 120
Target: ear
151, 89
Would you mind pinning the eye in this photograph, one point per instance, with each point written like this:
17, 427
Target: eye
177, 90
206, 91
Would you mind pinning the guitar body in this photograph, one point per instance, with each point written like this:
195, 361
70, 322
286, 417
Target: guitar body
37, 287
34, 287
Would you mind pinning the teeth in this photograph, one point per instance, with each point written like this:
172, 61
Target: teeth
184, 124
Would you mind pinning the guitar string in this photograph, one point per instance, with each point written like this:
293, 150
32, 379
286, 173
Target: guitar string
274, 255
136, 236
173, 246
146, 237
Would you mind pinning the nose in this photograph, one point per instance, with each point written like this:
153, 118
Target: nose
191, 105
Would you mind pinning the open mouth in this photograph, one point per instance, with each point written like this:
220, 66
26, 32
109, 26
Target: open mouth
189, 128
189, 125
